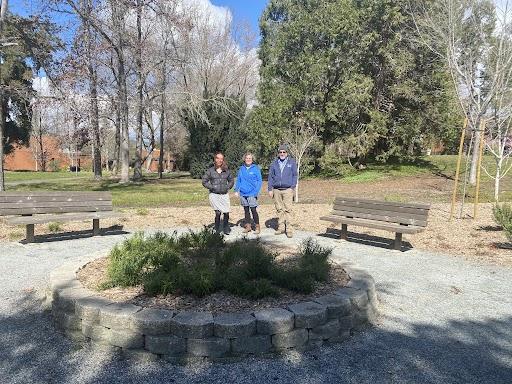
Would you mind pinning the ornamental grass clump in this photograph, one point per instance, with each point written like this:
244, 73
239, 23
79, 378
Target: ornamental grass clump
202, 263
503, 216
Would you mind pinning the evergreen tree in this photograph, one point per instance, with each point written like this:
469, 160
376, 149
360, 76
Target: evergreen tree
218, 128
348, 67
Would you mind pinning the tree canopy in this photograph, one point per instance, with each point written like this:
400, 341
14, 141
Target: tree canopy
348, 67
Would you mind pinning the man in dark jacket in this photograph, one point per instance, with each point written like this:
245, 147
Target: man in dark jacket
282, 180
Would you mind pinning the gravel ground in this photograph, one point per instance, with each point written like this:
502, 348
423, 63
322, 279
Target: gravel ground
445, 320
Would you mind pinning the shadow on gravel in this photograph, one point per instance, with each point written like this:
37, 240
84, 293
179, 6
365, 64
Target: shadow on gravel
32, 351
74, 235
361, 238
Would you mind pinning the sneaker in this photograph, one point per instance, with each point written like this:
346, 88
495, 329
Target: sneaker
227, 230
257, 231
247, 228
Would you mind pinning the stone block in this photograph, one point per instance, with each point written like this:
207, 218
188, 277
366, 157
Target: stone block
326, 331
152, 321
166, 345
359, 299
125, 338
139, 355
308, 314
88, 308
346, 323
274, 320
253, 344
209, 347
336, 305
65, 299
293, 339
67, 321
360, 280
118, 315
193, 325
231, 325
94, 332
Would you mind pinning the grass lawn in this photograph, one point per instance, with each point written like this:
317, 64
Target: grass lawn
429, 180
18, 176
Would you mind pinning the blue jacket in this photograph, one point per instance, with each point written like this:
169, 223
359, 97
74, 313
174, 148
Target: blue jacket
283, 180
248, 180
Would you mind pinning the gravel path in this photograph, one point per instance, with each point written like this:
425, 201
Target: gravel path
444, 321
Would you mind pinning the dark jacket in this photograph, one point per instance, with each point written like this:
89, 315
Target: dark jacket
248, 181
283, 180
219, 183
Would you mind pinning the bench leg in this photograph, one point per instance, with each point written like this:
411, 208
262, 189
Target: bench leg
30, 233
398, 241
344, 232
95, 227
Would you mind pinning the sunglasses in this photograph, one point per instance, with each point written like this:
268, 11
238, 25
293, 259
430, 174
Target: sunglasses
283, 152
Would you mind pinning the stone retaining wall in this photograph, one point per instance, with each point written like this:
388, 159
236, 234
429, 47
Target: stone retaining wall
181, 336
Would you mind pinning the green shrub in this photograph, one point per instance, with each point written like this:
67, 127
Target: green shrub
503, 216
201, 263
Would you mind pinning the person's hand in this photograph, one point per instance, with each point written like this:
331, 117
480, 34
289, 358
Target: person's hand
236, 194
271, 193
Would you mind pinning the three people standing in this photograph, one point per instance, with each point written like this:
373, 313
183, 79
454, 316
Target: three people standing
282, 181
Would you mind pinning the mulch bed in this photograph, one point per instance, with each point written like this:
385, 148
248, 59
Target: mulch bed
94, 273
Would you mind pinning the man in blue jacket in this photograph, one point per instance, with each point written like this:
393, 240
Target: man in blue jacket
282, 180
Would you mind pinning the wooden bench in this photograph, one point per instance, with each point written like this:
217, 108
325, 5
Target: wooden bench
389, 216
30, 208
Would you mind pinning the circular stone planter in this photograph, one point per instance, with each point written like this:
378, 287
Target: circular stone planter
183, 336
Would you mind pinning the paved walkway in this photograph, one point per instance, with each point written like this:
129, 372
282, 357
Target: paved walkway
444, 320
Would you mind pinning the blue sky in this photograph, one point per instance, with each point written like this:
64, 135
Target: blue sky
244, 10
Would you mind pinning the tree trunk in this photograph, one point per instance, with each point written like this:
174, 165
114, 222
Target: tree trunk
497, 180
124, 155
117, 139
2, 130
93, 94
298, 178
162, 120
3, 12
137, 170
474, 157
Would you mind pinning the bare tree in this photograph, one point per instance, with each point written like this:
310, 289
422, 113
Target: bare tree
460, 33
3, 12
499, 130
301, 138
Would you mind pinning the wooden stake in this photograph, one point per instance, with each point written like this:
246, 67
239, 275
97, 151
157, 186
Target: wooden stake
457, 172
479, 168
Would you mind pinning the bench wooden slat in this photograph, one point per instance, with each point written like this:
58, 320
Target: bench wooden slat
34, 211
50, 204
379, 217
397, 228
392, 217
388, 208
53, 196
42, 219
382, 203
